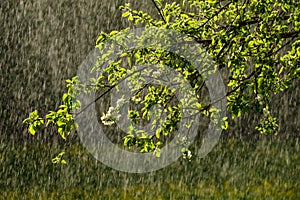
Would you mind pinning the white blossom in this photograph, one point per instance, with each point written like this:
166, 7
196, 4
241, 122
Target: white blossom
110, 117
187, 155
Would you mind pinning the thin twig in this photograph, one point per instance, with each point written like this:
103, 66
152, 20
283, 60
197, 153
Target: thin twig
217, 13
107, 91
159, 11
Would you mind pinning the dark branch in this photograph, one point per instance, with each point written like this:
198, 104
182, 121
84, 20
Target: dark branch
215, 15
159, 11
107, 91
289, 34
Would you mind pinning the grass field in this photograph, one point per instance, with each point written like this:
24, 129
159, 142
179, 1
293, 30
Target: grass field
235, 169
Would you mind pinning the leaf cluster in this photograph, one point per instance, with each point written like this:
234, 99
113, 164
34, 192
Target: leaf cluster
256, 43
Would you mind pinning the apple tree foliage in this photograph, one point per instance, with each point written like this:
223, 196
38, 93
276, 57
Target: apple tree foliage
255, 42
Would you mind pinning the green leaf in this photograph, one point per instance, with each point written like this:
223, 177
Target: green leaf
126, 14
113, 33
157, 133
60, 123
157, 152
225, 123
130, 18
32, 129
58, 159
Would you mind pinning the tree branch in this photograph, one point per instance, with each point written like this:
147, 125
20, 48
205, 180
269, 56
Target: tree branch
107, 91
214, 15
289, 34
159, 11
